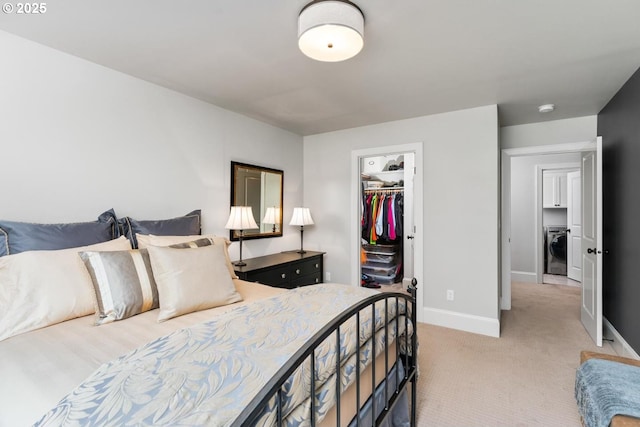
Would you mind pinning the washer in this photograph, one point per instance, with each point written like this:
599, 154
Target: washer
556, 250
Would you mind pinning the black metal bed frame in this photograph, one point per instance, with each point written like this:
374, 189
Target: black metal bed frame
273, 388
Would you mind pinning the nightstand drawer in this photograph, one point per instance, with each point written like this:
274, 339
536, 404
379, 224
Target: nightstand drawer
274, 277
306, 280
304, 268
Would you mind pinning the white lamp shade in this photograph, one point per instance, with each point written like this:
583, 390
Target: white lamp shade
301, 216
331, 30
241, 218
272, 216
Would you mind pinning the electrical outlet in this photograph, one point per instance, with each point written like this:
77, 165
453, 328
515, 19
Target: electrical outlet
450, 295
327, 276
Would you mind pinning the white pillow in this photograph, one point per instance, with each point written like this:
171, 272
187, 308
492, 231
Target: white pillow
41, 288
146, 240
191, 279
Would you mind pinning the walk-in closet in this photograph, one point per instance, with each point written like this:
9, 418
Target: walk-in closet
383, 229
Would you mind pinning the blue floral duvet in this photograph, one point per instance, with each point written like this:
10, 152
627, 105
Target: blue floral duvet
208, 373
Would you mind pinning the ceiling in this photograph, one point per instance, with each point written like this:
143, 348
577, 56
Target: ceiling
420, 57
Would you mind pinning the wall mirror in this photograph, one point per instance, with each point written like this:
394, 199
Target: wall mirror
260, 188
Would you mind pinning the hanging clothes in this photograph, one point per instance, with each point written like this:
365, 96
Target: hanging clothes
399, 204
382, 217
391, 226
373, 237
366, 217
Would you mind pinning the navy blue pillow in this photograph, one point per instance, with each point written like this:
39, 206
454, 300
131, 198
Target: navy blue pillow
16, 237
181, 226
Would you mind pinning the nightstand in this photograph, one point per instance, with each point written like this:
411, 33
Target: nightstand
284, 270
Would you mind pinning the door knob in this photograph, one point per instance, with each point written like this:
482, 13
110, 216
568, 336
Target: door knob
591, 251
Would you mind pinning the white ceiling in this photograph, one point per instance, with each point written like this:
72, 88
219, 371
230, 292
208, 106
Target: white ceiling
420, 57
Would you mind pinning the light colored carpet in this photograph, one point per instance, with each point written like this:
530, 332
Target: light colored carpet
524, 378
555, 279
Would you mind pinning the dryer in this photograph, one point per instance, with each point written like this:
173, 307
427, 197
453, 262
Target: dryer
556, 250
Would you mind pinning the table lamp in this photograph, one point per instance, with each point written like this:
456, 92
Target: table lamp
241, 218
301, 217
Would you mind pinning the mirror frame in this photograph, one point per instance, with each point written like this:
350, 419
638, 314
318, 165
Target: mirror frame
233, 234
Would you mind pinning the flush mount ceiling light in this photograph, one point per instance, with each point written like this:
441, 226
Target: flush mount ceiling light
546, 108
330, 30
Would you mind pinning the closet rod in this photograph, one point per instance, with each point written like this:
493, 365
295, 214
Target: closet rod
384, 190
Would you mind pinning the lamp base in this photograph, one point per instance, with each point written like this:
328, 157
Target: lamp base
301, 252
239, 263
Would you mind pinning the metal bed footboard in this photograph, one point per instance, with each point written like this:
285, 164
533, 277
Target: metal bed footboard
408, 358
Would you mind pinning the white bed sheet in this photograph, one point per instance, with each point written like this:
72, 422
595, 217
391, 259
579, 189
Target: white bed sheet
39, 368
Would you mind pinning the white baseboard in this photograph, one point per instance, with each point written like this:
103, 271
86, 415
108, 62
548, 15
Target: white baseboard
463, 322
620, 346
524, 277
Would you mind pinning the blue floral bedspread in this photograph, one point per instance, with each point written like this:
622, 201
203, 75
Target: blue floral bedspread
207, 374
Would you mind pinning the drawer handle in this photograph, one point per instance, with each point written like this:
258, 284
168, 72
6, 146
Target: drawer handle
317, 265
317, 280
284, 276
297, 271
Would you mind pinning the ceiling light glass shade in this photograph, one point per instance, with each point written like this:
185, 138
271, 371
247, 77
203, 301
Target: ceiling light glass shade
301, 216
241, 218
331, 30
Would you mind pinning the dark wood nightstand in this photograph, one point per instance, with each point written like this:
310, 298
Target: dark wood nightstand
285, 270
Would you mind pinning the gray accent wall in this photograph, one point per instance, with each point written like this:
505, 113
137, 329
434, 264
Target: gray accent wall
619, 126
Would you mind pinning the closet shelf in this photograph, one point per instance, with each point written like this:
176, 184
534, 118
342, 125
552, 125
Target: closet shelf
384, 173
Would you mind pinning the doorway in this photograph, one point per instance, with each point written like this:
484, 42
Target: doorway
533, 272
591, 250
382, 164
559, 218
385, 256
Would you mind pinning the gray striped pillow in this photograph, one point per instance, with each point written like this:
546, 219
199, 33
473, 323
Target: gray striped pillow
123, 281
205, 241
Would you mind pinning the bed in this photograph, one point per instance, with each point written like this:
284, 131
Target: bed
268, 356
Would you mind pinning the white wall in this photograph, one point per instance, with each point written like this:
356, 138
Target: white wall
523, 208
554, 216
580, 129
77, 138
460, 206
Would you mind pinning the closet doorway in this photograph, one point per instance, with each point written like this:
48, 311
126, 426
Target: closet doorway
387, 217
382, 249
